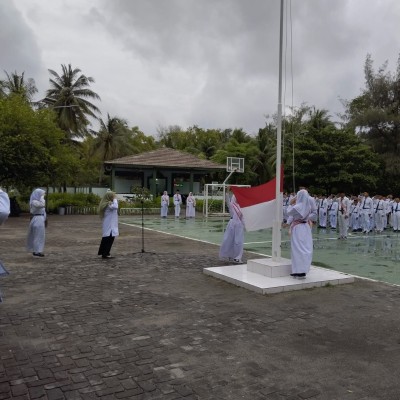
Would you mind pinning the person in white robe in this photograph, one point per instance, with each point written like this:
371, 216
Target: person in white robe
190, 206
164, 204
177, 203
4, 206
301, 216
37, 231
344, 204
233, 240
108, 212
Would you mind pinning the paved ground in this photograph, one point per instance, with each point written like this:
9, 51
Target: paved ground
153, 326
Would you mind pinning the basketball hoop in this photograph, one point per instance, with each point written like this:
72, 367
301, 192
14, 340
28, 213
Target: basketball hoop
235, 164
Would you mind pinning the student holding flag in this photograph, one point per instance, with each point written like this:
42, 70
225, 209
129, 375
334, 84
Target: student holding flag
301, 214
233, 240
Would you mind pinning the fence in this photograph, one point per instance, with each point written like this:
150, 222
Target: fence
138, 211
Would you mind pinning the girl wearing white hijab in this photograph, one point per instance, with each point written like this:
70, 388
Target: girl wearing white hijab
301, 214
233, 240
164, 204
190, 206
108, 211
36, 232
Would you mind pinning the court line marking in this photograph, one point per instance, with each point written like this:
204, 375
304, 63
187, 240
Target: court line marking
185, 237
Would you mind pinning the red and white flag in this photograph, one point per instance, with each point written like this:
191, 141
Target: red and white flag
258, 204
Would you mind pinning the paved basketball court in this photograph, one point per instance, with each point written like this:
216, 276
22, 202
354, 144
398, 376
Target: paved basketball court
153, 326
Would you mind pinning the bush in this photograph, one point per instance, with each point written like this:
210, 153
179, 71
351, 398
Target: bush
55, 200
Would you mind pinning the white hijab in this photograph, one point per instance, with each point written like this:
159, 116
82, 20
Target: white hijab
37, 194
302, 205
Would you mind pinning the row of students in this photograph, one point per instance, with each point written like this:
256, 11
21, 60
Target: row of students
177, 201
361, 213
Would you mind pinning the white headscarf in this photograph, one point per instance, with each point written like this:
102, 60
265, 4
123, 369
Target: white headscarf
302, 205
37, 194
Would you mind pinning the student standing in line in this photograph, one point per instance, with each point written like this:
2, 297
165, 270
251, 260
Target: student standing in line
108, 211
190, 206
164, 204
177, 203
396, 215
37, 230
366, 209
344, 212
301, 216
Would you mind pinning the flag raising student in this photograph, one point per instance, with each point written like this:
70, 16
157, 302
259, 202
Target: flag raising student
301, 214
233, 240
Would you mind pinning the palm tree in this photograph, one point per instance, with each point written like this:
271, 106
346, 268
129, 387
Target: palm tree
17, 85
112, 140
68, 96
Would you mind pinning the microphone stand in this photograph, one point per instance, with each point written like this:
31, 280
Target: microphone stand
143, 251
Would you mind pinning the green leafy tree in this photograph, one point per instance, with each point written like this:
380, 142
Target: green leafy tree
31, 146
69, 96
375, 116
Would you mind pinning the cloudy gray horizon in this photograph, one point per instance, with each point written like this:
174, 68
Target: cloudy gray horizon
211, 63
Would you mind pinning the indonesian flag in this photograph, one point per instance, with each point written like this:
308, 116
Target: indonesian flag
258, 204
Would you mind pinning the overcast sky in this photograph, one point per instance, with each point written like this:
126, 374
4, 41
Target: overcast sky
211, 63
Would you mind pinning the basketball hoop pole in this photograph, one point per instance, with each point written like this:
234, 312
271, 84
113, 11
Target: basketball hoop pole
276, 229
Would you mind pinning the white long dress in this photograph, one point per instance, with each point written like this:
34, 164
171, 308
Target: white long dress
164, 205
190, 207
301, 240
37, 231
233, 240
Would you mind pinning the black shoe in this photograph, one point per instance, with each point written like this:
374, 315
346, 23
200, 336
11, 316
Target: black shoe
301, 275
38, 254
294, 275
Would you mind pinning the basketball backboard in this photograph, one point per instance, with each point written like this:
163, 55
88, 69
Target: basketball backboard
235, 164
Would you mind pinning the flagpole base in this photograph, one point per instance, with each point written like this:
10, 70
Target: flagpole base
269, 267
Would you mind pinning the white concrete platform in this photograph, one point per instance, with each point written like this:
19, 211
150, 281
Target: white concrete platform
267, 280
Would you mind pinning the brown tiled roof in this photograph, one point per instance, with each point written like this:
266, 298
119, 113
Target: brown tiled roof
166, 158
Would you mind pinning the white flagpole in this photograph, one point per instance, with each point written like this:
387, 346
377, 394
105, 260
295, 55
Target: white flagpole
276, 229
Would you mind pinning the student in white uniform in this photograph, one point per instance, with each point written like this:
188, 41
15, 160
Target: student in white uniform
108, 211
233, 240
37, 230
343, 215
301, 214
285, 204
366, 208
190, 206
354, 222
333, 213
164, 204
396, 215
177, 203
4, 206
379, 214
322, 212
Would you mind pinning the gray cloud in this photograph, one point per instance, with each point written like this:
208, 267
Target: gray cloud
213, 63
19, 49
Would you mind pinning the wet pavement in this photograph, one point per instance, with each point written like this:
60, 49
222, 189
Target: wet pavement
374, 256
152, 326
